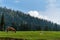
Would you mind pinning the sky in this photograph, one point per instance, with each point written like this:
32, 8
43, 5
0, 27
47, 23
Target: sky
45, 9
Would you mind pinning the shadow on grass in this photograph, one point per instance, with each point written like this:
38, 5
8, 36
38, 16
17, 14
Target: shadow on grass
7, 38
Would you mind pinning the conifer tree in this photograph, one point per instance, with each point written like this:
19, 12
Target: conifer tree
2, 22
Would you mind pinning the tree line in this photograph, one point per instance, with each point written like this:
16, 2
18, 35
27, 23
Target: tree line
24, 22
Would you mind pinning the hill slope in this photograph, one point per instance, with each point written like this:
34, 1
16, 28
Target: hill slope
21, 21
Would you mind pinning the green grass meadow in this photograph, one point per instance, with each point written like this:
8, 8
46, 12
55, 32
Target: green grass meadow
32, 35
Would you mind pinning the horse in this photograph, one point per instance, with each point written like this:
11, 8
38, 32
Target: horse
11, 29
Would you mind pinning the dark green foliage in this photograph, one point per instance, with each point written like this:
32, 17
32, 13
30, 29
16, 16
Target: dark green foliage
2, 22
24, 22
46, 28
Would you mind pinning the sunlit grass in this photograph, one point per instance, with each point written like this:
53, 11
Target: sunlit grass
32, 34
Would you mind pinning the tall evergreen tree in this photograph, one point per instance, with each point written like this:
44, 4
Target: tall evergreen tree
2, 22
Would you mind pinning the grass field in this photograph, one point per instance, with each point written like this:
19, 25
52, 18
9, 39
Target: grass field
33, 35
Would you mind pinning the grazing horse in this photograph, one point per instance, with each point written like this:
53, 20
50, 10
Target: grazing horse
11, 29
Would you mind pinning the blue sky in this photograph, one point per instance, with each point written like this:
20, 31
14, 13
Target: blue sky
46, 9
25, 5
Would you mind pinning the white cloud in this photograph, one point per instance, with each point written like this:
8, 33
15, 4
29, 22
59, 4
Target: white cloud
52, 12
34, 13
37, 14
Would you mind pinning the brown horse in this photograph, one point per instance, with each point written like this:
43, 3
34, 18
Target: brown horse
11, 29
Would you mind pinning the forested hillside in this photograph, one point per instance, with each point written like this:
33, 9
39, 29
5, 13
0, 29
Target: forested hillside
24, 22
